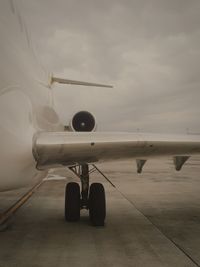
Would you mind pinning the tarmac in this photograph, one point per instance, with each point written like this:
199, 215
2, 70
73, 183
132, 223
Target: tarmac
153, 219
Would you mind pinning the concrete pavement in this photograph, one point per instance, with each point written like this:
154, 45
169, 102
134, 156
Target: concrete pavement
153, 219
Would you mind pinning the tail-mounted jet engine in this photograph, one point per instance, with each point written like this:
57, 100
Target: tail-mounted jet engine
83, 121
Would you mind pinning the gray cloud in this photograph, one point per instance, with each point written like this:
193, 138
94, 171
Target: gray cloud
149, 49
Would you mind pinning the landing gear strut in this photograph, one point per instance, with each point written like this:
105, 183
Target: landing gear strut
91, 197
84, 177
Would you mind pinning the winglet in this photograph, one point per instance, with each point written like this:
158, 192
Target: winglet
73, 82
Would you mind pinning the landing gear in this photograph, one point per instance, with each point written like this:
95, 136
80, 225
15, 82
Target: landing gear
97, 204
91, 198
84, 176
72, 202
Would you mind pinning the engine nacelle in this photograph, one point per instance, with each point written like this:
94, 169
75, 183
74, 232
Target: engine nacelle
83, 121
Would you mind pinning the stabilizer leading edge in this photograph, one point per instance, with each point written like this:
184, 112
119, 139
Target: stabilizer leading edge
73, 82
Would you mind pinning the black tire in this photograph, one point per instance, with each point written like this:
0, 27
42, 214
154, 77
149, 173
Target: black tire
72, 202
97, 204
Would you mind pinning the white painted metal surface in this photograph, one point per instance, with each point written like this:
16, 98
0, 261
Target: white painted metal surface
25, 101
60, 148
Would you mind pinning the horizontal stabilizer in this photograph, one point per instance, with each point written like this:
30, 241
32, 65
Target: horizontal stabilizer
73, 82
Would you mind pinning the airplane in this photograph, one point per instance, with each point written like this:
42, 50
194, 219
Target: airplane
33, 140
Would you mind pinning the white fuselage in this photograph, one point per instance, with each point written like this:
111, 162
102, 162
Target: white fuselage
25, 100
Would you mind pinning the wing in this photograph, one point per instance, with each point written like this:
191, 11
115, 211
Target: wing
52, 149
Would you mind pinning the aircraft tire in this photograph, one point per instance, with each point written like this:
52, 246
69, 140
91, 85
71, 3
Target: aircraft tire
97, 204
72, 202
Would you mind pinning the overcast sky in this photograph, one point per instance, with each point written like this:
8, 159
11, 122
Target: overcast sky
148, 49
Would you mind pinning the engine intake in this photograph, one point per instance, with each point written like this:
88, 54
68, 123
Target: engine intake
83, 121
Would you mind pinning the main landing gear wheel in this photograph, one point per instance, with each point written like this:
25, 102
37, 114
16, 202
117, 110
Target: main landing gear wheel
72, 202
97, 204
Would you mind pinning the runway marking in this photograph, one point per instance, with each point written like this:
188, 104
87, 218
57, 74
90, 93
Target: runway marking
10, 211
170, 239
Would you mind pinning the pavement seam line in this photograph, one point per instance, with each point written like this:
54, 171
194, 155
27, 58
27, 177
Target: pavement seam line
171, 240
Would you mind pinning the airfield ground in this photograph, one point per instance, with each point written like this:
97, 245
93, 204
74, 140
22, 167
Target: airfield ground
153, 219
